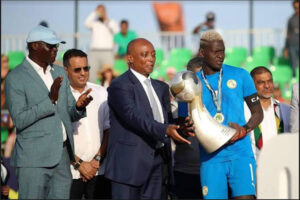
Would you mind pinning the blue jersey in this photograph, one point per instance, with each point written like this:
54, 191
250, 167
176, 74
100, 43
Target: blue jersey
236, 85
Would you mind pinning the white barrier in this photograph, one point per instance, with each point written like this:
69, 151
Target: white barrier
232, 38
278, 168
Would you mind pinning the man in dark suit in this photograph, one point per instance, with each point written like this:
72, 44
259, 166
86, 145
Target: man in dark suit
139, 140
42, 107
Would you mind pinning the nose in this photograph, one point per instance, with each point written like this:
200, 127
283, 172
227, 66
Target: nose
152, 58
220, 55
267, 85
54, 49
82, 72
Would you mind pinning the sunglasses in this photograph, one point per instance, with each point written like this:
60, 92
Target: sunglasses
50, 46
78, 69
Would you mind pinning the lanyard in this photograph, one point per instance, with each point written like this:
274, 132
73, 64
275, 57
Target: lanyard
217, 98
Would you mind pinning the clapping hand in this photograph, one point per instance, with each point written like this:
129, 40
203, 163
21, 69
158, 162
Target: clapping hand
54, 90
84, 100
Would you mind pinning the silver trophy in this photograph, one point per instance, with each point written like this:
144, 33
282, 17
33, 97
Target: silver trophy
186, 87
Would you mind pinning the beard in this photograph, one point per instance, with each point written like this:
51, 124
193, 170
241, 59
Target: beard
266, 96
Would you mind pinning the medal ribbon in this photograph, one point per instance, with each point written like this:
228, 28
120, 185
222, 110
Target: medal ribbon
217, 98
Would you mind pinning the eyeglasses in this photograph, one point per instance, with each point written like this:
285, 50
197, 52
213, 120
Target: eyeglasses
78, 69
50, 46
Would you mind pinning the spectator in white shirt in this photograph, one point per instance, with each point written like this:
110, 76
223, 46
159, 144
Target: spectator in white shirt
102, 43
90, 133
276, 114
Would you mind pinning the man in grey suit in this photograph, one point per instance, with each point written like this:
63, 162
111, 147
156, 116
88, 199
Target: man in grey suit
294, 114
42, 107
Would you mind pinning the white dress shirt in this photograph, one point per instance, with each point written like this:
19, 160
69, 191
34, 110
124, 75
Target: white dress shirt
142, 79
88, 131
48, 80
268, 126
102, 32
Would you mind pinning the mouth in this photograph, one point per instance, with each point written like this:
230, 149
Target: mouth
53, 55
82, 78
150, 66
219, 62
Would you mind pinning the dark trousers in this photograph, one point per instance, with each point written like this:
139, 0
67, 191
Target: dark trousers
152, 189
103, 188
97, 188
81, 189
294, 57
187, 186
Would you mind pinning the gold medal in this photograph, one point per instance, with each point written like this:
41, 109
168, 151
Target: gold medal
219, 117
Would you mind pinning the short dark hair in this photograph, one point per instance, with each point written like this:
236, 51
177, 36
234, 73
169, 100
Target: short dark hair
195, 62
124, 21
259, 70
72, 53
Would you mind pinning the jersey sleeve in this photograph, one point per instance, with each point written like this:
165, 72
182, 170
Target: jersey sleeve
248, 84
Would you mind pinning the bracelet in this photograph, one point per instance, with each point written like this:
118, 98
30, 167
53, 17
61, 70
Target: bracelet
77, 165
246, 127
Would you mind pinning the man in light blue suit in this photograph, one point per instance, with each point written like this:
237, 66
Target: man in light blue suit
42, 107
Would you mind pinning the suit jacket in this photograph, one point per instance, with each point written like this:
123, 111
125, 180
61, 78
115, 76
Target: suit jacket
284, 110
39, 140
133, 131
294, 115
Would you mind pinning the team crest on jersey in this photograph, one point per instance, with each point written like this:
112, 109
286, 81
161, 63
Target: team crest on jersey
231, 83
204, 190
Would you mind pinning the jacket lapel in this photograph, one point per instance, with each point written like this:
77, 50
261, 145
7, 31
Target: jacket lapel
54, 73
141, 93
34, 75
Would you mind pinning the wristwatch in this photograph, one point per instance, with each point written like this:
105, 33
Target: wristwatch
77, 165
99, 158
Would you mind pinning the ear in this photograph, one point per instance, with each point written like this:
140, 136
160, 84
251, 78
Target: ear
35, 46
201, 53
66, 69
129, 59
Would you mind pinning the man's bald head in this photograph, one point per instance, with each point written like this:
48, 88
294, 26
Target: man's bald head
141, 56
132, 44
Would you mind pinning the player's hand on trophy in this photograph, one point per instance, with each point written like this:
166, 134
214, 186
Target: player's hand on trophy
186, 127
240, 132
172, 132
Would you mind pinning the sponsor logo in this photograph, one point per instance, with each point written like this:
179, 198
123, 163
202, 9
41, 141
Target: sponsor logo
204, 190
231, 83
